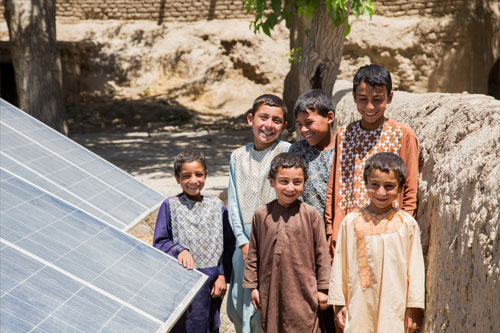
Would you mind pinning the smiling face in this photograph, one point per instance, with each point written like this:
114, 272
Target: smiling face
192, 179
267, 123
288, 184
371, 103
316, 129
383, 188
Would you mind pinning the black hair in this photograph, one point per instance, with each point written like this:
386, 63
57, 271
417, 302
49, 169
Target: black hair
287, 160
374, 75
386, 162
188, 156
315, 100
269, 100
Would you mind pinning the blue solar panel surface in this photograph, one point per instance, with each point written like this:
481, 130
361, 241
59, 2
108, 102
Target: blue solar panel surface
64, 270
45, 158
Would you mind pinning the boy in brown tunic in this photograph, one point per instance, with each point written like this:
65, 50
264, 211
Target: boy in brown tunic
288, 264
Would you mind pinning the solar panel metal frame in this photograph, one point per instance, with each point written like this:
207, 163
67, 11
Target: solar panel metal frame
127, 225
174, 315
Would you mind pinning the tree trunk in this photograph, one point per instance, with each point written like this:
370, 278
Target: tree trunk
32, 30
322, 53
291, 89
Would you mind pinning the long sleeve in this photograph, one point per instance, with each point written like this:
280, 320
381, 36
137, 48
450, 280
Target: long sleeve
226, 265
251, 274
410, 156
416, 271
329, 195
234, 209
337, 291
163, 239
321, 252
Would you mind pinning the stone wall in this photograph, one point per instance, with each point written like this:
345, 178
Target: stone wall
458, 203
157, 10
194, 10
160, 10
396, 8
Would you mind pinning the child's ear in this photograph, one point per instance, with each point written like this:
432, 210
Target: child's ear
284, 126
272, 182
389, 97
331, 117
250, 119
177, 179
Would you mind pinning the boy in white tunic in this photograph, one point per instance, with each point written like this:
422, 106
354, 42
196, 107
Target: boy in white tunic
248, 189
377, 280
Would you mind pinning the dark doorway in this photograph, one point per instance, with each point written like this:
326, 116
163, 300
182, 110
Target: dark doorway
494, 80
8, 83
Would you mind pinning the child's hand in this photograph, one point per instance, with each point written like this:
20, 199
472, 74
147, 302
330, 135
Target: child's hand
412, 320
322, 299
244, 251
219, 287
340, 316
184, 258
254, 294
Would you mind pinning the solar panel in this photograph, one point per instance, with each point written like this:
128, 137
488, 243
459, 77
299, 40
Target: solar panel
48, 159
64, 270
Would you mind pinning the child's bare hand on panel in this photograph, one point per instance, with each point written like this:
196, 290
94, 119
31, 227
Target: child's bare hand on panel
185, 259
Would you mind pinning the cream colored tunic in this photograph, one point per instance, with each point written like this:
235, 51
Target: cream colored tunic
378, 270
354, 145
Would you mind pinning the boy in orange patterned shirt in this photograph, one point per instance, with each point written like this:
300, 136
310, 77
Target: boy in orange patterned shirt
356, 142
378, 277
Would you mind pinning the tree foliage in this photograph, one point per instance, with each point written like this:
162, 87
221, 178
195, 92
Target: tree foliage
269, 13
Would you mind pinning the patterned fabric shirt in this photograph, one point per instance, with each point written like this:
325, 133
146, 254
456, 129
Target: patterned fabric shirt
357, 145
198, 227
319, 164
353, 146
251, 168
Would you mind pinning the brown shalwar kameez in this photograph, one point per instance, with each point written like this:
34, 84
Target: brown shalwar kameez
288, 262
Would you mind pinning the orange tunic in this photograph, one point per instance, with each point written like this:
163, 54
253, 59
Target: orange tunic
354, 145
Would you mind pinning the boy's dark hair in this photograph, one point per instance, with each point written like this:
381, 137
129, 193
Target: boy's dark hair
315, 100
385, 162
269, 100
374, 75
287, 160
188, 156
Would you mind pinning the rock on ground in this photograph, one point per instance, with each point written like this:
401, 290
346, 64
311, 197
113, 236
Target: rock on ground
458, 203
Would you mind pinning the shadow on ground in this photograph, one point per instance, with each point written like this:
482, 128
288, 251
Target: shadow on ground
151, 153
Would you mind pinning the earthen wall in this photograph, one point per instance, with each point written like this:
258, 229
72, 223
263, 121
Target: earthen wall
195, 10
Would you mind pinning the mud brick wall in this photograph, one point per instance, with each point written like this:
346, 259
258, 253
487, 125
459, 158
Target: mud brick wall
395, 8
160, 10
196, 10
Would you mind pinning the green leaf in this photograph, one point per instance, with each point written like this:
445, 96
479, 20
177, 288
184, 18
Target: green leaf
295, 55
347, 29
271, 21
265, 29
310, 9
269, 12
248, 5
276, 6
